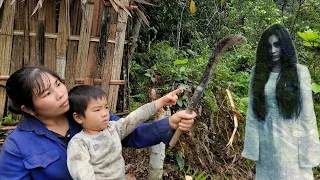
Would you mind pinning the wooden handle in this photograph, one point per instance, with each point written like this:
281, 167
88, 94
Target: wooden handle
175, 138
178, 133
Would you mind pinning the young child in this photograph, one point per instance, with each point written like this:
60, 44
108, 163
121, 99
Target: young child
96, 151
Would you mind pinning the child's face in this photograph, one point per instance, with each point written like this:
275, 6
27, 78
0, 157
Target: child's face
97, 116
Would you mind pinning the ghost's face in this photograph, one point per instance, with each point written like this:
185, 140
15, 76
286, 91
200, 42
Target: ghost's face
274, 47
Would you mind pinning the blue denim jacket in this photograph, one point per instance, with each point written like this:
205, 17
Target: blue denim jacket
31, 151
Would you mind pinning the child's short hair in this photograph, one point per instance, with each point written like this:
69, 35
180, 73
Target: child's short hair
79, 97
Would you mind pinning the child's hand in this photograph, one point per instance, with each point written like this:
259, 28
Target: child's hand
183, 120
169, 99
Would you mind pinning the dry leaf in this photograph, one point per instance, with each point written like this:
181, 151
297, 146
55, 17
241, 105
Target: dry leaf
1, 2
142, 16
114, 5
144, 2
123, 7
39, 5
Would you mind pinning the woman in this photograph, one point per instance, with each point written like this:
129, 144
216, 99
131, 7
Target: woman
281, 130
36, 149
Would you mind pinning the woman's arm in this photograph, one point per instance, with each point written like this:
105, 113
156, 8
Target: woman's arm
149, 134
251, 141
309, 146
11, 162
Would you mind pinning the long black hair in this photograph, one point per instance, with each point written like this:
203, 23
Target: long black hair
288, 86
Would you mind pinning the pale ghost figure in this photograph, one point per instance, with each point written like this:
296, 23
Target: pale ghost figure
275, 50
281, 128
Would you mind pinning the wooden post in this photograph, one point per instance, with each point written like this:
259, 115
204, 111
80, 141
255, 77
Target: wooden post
108, 31
18, 41
118, 53
40, 36
32, 20
26, 49
75, 23
6, 39
92, 64
18, 45
157, 151
62, 41
83, 47
50, 27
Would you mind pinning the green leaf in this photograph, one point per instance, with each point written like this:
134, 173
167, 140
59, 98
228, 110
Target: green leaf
180, 160
308, 44
179, 102
189, 51
182, 69
147, 74
309, 35
233, 1
8, 118
180, 62
153, 79
315, 88
185, 87
165, 87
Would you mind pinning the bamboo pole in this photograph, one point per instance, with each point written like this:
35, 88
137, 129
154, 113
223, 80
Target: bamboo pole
106, 50
40, 36
62, 40
50, 26
72, 48
6, 47
18, 46
83, 47
26, 41
92, 68
118, 54
18, 42
56, 36
33, 49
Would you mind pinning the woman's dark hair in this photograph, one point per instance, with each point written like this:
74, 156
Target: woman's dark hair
288, 85
25, 82
80, 96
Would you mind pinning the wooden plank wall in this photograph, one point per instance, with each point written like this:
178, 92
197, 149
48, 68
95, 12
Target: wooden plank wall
6, 40
86, 51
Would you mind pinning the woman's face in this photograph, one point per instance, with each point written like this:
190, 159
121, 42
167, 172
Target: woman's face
274, 47
53, 101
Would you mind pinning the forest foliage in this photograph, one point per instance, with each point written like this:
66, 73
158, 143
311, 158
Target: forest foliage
174, 50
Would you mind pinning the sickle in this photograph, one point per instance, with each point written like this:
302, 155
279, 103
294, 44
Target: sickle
222, 45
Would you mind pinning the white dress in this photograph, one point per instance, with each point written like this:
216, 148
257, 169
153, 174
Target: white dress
285, 149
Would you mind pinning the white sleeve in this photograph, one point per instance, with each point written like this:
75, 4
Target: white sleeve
251, 141
126, 125
309, 146
78, 160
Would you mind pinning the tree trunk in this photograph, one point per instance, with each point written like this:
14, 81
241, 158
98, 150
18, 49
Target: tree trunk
157, 151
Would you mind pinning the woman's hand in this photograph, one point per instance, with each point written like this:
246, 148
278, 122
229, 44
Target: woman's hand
183, 120
169, 99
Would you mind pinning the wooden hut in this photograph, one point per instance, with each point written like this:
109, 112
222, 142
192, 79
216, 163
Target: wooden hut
83, 41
